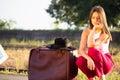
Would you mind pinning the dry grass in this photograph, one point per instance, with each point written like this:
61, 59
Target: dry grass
18, 58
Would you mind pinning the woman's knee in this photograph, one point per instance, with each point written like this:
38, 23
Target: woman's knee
95, 54
80, 61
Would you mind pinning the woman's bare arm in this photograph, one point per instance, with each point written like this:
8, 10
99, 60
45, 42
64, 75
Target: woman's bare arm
82, 49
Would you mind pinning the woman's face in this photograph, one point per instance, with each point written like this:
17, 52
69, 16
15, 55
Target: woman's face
95, 19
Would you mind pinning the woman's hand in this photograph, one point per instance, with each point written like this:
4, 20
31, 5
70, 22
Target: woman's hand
99, 26
90, 64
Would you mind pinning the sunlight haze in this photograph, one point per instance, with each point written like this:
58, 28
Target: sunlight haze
28, 14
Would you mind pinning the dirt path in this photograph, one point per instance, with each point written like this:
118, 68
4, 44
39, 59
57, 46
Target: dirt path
12, 77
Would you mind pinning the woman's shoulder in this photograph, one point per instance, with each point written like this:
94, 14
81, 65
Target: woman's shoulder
86, 31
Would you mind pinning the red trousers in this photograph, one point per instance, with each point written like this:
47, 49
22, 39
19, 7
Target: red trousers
103, 63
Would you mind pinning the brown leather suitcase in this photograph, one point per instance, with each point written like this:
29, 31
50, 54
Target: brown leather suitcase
51, 64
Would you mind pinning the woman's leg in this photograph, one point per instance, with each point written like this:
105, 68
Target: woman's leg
108, 63
82, 65
98, 60
103, 62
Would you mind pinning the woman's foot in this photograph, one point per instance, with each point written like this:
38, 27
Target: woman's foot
102, 77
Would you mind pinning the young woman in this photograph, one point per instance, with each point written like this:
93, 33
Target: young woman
96, 61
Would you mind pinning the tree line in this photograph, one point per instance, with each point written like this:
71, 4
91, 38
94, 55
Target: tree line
76, 12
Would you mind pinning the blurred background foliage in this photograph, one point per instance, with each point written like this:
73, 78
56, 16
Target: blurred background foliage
76, 12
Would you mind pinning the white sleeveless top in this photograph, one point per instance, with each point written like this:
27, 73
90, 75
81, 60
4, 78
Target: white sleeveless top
104, 46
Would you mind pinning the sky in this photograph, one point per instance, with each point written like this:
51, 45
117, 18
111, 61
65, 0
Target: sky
28, 14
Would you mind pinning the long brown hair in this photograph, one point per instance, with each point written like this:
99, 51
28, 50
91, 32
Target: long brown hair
103, 19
